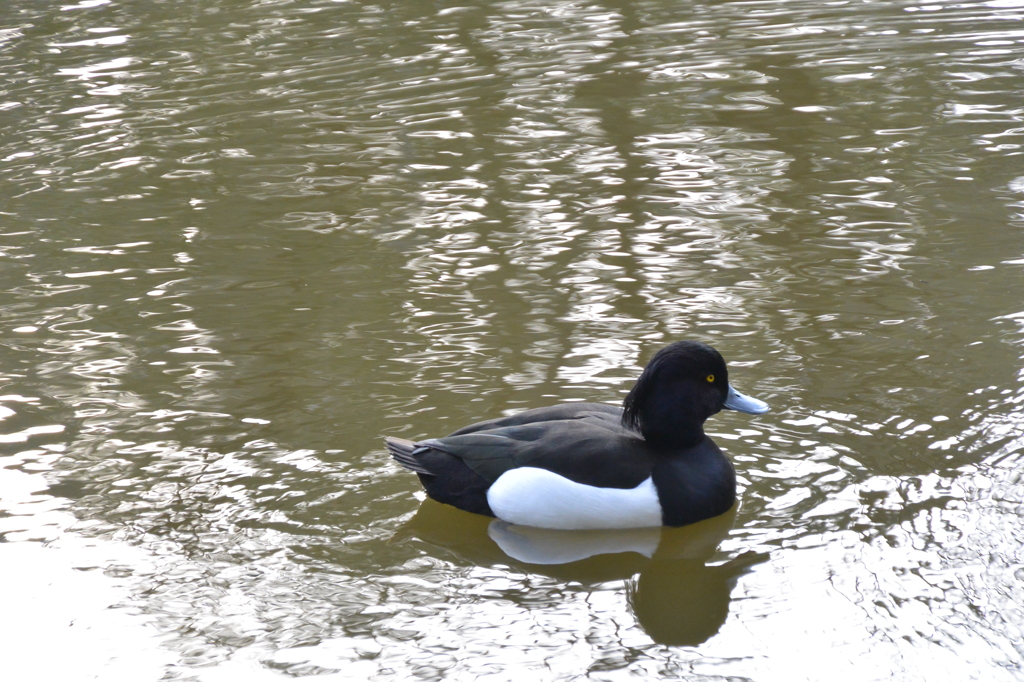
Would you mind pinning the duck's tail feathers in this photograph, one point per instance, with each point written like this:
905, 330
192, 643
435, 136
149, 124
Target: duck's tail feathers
404, 452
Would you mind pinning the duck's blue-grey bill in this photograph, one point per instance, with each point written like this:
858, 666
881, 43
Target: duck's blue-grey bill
741, 403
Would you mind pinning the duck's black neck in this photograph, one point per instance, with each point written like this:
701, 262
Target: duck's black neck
680, 434
667, 421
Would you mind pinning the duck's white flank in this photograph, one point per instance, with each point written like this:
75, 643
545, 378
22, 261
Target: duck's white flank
541, 498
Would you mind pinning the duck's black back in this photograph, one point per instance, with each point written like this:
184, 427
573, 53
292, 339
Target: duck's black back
593, 449
612, 414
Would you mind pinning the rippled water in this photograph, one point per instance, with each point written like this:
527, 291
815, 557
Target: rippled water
242, 239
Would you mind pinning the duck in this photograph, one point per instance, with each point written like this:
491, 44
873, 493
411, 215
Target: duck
589, 466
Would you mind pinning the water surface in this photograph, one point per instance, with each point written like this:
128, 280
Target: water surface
243, 240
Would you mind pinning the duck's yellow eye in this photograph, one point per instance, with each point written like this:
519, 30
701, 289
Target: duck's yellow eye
711, 378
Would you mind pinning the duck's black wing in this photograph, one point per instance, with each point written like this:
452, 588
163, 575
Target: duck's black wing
590, 450
410, 454
611, 414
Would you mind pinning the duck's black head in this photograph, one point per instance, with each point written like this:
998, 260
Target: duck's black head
683, 384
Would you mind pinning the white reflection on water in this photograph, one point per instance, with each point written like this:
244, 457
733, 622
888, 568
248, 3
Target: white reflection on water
59, 595
935, 577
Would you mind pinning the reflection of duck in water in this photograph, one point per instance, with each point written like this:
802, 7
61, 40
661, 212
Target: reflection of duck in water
685, 602
591, 465
676, 598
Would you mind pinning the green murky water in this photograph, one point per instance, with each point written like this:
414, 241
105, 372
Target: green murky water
241, 240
